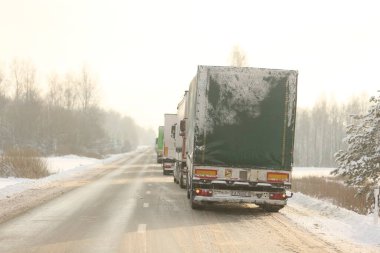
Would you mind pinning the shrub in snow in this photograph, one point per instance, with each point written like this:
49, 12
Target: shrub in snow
23, 163
334, 191
360, 163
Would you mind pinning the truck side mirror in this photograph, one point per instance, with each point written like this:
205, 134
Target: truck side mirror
182, 125
173, 131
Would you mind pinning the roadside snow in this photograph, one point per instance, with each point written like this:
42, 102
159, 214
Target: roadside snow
4, 182
331, 221
63, 167
311, 171
62, 163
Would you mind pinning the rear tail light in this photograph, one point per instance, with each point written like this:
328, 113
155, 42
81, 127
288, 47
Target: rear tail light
203, 192
277, 195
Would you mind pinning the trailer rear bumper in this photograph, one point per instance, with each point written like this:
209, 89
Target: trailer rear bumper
168, 165
234, 199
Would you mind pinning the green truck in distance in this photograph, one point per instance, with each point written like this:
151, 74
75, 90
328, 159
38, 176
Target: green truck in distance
240, 135
160, 144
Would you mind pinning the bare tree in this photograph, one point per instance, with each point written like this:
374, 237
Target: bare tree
1, 83
16, 73
70, 93
24, 113
24, 77
3, 102
55, 92
4, 83
87, 89
238, 57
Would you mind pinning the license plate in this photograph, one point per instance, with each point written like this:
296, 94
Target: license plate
241, 193
221, 193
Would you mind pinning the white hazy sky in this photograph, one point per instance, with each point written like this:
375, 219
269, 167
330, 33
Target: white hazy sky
145, 52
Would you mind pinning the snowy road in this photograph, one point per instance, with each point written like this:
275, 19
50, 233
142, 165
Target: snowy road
134, 208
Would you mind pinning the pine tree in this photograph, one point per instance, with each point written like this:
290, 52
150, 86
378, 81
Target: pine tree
360, 163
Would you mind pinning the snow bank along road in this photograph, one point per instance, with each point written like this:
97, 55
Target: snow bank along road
134, 208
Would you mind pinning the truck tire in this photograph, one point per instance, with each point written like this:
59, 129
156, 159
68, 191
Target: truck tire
272, 208
195, 205
188, 186
181, 184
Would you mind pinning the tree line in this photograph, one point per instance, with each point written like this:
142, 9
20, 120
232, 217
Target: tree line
66, 118
320, 129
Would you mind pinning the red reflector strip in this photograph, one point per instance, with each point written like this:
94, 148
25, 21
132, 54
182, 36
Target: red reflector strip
277, 177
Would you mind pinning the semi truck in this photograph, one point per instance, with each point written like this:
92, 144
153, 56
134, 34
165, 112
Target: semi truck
240, 136
168, 159
160, 144
180, 171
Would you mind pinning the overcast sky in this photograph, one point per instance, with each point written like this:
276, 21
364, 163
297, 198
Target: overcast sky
145, 52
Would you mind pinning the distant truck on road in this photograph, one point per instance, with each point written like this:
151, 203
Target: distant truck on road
180, 170
169, 156
160, 144
240, 136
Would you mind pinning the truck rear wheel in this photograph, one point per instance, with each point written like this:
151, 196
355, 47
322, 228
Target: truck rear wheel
194, 204
181, 184
272, 208
188, 186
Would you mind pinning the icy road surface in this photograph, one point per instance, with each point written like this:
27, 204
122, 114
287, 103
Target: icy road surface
132, 207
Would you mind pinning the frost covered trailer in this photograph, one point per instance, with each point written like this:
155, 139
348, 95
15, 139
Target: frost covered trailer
243, 117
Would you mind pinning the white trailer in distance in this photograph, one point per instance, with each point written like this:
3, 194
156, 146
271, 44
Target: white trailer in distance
180, 171
169, 156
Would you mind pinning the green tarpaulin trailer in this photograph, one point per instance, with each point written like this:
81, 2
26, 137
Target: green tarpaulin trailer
245, 117
241, 127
